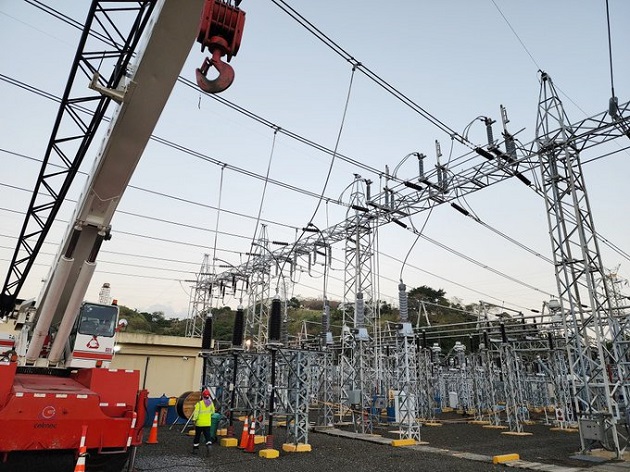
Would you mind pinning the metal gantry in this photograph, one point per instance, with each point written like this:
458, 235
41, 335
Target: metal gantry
200, 304
584, 297
560, 369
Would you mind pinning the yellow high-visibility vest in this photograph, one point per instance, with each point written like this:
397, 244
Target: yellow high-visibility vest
202, 416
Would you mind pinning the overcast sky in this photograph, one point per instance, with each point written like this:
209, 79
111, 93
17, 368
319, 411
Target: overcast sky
457, 59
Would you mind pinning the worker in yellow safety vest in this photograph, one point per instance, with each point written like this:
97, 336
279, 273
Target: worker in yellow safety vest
202, 417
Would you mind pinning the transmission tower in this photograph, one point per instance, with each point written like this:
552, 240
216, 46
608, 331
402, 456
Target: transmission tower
584, 297
259, 291
200, 300
358, 290
358, 260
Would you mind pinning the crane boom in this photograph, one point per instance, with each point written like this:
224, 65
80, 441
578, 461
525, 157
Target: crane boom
142, 100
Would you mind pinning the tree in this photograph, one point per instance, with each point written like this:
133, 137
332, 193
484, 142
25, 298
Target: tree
428, 294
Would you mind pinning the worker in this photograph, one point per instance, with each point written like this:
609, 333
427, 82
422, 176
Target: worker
202, 417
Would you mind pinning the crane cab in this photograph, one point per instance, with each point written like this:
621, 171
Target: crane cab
93, 336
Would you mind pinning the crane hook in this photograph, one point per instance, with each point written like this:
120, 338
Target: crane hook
223, 80
220, 31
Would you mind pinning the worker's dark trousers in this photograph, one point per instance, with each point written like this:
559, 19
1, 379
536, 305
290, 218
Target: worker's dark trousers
206, 434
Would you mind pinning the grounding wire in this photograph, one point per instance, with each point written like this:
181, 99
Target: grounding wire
402, 267
473, 216
216, 226
189, 83
330, 168
68, 20
186, 150
326, 275
262, 200
265, 122
152, 192
477, 263
523, 46
517, 36
532, 57
369, 73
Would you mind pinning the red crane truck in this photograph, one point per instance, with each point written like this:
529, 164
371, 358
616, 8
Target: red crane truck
55, 380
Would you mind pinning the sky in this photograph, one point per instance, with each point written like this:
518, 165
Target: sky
457, 59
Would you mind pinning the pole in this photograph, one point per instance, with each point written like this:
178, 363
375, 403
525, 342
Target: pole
269, 442
233, 395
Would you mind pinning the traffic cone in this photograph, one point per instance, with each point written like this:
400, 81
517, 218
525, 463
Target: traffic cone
251, 440
154, 430
244, 434
80, 466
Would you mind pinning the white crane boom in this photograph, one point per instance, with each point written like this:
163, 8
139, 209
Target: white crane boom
142, 99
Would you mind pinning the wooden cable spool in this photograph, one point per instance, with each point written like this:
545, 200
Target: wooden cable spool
186, 403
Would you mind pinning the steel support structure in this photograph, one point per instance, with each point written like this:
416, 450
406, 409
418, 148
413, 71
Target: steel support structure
514, 405
200, 302
407, 386
219, 373
620, 327
584, 297
297, 364
325, 394
427, 391
259, 292
358, 291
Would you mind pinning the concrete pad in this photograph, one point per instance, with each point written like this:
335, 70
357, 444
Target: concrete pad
503, 458
228, 442
565, 430
403, 442
269, 453
516, 433
491, 426
300, 447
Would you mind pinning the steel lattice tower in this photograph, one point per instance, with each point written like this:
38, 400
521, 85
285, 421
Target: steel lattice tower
298, 363
408, 394
514, 405
358, 261
259, 293
584, 297
200, 300
358, 290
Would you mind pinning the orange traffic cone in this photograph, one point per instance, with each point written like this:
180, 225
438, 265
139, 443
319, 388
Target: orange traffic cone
154, 430
80, 466
244, 434
251, 440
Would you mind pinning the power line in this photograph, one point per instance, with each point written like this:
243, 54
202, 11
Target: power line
369, 73
517, 36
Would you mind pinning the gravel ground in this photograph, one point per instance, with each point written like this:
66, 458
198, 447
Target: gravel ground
454, 446
333, 453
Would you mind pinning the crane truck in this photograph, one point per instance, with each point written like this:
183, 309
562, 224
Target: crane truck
58, 394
